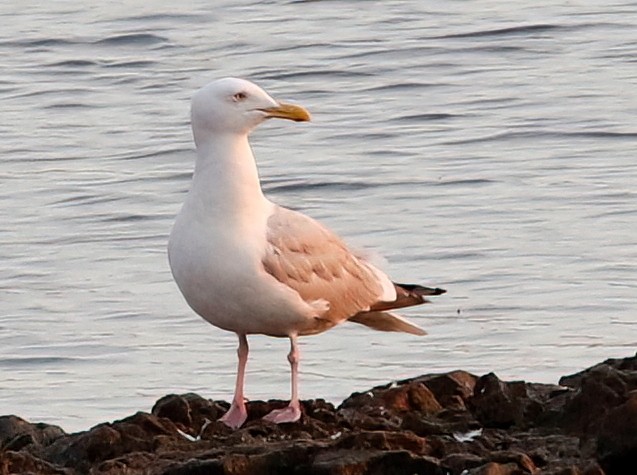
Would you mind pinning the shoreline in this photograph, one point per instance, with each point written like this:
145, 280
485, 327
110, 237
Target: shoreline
454, 422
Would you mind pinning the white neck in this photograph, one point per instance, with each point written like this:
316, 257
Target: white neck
226, 180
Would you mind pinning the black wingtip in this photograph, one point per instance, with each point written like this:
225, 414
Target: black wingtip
422, 290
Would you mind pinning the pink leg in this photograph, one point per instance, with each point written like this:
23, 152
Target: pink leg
237, 414
292, 412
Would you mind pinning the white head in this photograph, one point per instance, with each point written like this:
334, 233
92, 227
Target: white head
236, 106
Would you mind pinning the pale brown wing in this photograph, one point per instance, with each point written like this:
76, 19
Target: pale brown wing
313, 261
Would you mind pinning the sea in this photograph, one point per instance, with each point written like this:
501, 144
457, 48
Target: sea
489, 148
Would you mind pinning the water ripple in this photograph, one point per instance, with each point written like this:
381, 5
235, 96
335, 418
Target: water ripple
319, 73
137, 39
509, 31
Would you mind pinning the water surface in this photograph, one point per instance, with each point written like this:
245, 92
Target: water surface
483, 147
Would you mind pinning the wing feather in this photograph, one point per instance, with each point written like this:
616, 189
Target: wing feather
317, 264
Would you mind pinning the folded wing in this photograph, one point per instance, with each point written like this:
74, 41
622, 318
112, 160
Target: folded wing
305, 256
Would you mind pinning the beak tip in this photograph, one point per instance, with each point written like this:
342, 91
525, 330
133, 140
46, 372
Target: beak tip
306, 118
289, 111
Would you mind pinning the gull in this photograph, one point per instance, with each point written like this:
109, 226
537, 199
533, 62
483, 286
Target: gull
249, 266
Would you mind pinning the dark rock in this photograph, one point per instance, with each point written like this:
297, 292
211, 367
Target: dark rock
16, 433
595, 469
190, 412
494, 404
109, 441
100, 443
599, 391
454, 423
625, 366
424, 427
595, 392
373, 463
196, 467
617, 441
522, 460
382, 440
129, 464
24, 463
458, 463
494, 468
422, 400
323, 411
568, 471
452, 389
173, 407
505, 404
389, 401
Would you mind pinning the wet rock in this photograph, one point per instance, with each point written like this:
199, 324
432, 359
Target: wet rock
24, 463
504, 404
16, 433
422, 400
595, 469
103, 442
599, 390
190, 412
595, 392
173, 407
494, 468
521, 460
453, 423
394, 400
423, 426
373, 463
321, 410
452, 389
383, 440
617, 441
458, 463
129, 464
196, 467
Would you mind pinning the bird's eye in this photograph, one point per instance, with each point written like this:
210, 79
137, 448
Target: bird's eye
239, 96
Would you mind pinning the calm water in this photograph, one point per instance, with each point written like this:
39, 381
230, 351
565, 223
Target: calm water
484, 147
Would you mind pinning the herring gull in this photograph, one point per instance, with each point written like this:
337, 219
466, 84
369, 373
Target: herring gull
249, 266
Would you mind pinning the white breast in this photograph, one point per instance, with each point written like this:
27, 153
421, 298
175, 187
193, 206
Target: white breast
218, 269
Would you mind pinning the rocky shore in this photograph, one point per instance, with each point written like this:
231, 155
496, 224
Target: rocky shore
453, 423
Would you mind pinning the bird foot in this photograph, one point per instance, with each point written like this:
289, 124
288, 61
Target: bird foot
291, 413
236, 416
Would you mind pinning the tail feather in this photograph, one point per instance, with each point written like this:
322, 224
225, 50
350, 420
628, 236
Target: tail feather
407, 295
387, 322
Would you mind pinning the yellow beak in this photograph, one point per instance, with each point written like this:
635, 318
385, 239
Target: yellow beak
288, 111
